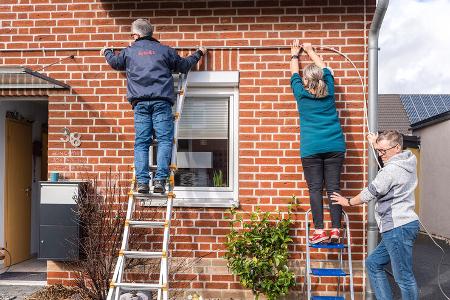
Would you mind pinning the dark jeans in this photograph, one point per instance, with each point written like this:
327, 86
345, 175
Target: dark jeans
152, 117
317, 169
396, 247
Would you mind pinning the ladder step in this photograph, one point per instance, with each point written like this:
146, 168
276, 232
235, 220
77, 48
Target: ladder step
150, 196
146, 224
327, 298
328, 272
153, 168
128, 286
142, 254
328, 246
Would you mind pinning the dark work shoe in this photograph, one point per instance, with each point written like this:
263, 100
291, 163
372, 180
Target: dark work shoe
143, 188
159, 186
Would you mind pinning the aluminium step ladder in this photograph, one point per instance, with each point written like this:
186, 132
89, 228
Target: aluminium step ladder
340, 273
117, 285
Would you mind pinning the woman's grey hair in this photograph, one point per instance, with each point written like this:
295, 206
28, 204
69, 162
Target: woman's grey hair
142, 27
393, 136
314, 81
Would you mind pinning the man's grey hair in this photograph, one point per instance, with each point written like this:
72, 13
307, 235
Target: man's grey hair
142, 27
393, 136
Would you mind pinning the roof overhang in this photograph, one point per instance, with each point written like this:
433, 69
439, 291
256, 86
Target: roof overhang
17, 77
431, 121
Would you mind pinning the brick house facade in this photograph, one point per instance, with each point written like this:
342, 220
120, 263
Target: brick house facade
269, 168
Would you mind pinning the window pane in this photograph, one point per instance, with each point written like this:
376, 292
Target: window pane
202, 163
203, 143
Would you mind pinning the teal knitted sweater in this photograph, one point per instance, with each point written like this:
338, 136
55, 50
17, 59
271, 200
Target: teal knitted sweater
320, 130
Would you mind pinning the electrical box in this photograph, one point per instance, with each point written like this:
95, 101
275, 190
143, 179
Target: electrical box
59, 228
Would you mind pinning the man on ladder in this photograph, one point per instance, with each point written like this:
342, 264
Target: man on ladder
150, 90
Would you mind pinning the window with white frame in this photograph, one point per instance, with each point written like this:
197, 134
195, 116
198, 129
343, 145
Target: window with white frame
207, 158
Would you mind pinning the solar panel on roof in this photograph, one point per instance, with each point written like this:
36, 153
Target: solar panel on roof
446, 100
422, 107
439, 103
430, 105
409, 108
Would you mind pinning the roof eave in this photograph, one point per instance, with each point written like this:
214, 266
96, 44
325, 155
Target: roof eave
431, 121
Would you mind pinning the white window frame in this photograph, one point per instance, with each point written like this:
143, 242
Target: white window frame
223, 84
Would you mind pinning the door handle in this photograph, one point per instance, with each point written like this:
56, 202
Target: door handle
28, 191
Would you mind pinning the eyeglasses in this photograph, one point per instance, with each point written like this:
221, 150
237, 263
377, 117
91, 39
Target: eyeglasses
382, 152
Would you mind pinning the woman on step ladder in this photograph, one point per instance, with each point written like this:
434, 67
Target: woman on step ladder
322, 145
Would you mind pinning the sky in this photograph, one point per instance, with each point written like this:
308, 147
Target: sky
415, 48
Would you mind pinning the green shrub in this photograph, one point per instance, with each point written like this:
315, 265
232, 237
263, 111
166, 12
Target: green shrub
257, 251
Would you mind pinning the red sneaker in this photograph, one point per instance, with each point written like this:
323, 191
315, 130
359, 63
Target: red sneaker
318, 237
334, 235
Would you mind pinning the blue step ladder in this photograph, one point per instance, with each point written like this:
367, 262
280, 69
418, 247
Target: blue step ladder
340, 273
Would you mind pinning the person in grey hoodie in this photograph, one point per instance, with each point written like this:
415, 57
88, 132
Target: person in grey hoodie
393, 191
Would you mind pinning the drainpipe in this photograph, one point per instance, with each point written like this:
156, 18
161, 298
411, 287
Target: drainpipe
372, 229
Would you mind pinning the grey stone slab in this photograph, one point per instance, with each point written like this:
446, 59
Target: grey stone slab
8, 292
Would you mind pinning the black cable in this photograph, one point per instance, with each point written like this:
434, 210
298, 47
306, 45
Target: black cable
440, 262
62, 59
438, 268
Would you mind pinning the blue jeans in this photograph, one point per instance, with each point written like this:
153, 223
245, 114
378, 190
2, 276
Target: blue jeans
152, 117
395, 247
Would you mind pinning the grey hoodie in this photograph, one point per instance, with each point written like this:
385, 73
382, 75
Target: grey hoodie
393, 191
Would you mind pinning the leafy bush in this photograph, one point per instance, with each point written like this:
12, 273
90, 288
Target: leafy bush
257, 251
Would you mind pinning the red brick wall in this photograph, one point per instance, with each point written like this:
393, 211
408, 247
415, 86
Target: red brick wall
269, 166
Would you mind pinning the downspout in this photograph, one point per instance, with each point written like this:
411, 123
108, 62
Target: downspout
372, 228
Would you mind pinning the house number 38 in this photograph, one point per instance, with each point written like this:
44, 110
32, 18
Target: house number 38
74, 138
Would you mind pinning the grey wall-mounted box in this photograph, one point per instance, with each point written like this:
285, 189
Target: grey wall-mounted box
59, 229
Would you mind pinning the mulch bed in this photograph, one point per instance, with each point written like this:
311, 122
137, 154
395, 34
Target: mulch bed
58, 292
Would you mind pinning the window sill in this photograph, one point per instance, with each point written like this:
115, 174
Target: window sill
223, 198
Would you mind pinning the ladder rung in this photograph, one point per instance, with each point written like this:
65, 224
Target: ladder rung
142, 254
150, 196
327, 298
328, 272
328, 246
138, 286
146, 224
152, 203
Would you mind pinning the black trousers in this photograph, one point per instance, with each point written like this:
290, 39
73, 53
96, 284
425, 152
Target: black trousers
320, 168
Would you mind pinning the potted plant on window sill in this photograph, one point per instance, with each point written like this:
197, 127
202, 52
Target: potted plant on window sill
218, 178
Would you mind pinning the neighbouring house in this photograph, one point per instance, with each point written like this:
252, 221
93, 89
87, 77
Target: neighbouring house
240, 116
424, 119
